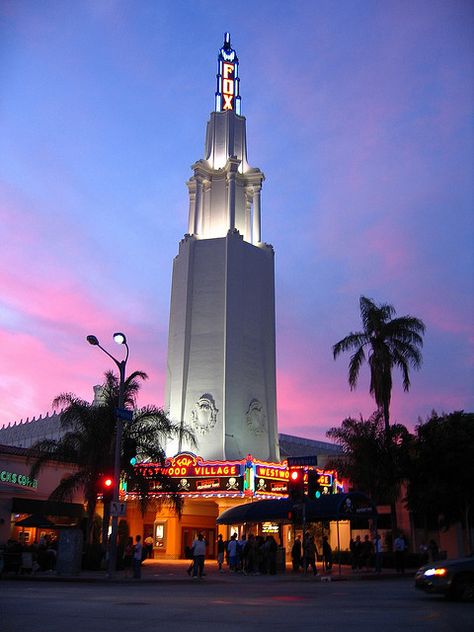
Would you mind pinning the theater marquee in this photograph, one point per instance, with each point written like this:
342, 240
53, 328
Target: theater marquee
247, 477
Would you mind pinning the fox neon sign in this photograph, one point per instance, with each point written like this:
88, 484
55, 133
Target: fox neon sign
228, 86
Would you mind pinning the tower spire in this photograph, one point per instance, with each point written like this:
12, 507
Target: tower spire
227, 95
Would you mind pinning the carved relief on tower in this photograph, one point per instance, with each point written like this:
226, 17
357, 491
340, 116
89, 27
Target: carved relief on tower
256, 418
204, 414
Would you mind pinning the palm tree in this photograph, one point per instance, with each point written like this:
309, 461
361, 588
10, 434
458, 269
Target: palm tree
88, 441
390, 342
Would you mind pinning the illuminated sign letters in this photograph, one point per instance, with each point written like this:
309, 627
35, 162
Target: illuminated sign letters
18, 479
228, 86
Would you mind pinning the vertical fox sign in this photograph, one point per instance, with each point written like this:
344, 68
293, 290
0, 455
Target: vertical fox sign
227, 95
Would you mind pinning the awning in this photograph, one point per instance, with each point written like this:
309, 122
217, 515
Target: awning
47, 508
350, 506
35, 520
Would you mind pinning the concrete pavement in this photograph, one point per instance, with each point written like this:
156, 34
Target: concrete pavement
174, 571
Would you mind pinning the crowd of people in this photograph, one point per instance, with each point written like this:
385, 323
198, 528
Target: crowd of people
40, 555
249, 555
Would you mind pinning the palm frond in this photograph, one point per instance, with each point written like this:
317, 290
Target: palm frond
353, 341
354, 367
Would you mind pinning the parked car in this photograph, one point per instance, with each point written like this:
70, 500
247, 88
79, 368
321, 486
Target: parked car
452, 578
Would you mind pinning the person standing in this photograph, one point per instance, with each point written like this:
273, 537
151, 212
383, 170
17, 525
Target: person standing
327, 555
356, 551
296, 554
220, 552
366, 549
128, 557
400, 546
378, 549
433, 550
232, 550
199, 554
137, 557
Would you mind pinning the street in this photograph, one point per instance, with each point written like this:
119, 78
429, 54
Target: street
227, 603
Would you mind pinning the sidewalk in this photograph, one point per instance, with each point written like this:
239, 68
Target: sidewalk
174, 571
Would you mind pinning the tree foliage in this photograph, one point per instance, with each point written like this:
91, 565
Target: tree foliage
88, 441
441, 478
365, 460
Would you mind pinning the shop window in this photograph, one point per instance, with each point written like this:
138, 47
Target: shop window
159, 535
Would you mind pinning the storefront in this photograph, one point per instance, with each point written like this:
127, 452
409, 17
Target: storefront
208, 489
26, 514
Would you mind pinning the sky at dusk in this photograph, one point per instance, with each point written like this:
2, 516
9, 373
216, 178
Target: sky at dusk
358, 112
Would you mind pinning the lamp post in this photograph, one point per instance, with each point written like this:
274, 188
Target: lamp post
120, 339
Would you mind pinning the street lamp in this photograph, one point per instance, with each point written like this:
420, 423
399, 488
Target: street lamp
120, 339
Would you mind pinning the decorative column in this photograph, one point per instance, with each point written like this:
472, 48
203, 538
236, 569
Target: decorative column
256, 223
198, 205
192, 206
248, 217
231, 168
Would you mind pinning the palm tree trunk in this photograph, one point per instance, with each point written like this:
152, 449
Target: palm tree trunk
388, 441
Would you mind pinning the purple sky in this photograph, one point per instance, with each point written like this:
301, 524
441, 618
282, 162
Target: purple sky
360, 115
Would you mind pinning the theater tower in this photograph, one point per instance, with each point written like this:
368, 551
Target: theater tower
221, 348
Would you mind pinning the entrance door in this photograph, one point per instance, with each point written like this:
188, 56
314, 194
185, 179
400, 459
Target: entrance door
189, 534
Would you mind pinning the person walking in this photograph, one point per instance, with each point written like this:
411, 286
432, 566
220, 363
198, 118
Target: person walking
296, 554
309, 554
199, 553
137, 557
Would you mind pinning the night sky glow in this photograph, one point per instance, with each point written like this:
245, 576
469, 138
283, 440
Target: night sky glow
358, 112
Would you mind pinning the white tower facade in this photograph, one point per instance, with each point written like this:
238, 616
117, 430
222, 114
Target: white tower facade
221, 374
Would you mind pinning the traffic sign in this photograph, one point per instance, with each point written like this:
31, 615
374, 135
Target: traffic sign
302, 460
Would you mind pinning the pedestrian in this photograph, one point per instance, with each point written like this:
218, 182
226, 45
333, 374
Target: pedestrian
148, 547
137, 557
399, 547
128, 557
241, 552
378, 549
296, 554
433, 550
366, 552
199, 554
220, 552
309, 554
327, 555
251, 556
232, 549
356, 551
270, 552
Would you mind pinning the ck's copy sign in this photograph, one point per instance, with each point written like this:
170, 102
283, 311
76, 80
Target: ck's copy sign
117, 508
